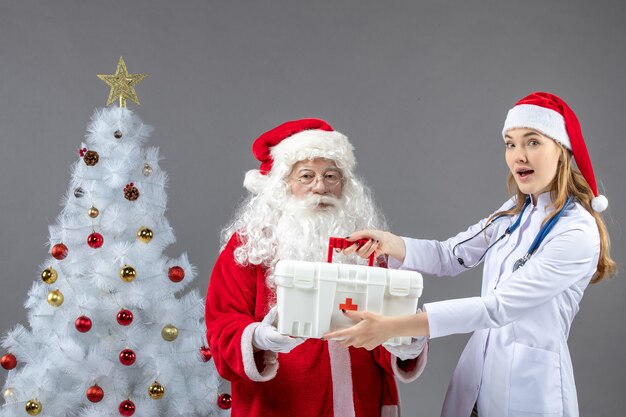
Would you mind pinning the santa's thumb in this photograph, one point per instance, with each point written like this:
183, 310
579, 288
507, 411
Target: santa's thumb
271, 316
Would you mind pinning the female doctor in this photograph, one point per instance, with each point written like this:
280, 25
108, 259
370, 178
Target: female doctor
541, 249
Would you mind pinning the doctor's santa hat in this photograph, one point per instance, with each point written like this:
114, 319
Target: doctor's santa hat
551, 116
281, 147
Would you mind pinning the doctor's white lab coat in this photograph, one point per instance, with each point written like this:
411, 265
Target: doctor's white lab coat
517, 362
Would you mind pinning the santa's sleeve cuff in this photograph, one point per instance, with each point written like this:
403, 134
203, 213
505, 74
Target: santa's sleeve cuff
415, 369
270, 359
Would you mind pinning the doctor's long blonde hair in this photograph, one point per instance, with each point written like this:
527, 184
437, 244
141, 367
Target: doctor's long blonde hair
569, 181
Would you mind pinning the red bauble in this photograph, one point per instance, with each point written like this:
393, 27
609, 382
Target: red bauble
127, 357
59, 251
83, 324
205, 354
95, 240
176, 274
127, 408
124, 317
8, 361
224, 401
95, 394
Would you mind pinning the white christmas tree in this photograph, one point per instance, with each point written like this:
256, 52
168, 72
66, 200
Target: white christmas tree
108, 335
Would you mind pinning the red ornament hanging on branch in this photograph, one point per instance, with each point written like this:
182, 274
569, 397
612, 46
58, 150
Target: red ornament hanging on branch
83, 324
205, 354
95, 240
224, 401
127, 357
127, 408
176, 274
59, 251
95, 394
124, 317
8, 361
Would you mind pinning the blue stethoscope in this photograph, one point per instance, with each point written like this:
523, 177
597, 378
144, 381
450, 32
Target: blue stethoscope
543, 232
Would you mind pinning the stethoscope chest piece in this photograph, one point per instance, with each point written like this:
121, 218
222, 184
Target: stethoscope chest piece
520, 262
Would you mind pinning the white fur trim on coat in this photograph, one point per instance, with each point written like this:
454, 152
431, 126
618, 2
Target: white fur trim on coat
389, 411
270, 359
547, 121
341, 374
416, 372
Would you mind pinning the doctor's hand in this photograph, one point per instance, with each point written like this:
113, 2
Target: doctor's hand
371, 330
379, 242
267, 337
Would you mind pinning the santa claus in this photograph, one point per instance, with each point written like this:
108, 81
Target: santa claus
304, 192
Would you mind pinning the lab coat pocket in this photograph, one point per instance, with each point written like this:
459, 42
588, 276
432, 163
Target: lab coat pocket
535, 382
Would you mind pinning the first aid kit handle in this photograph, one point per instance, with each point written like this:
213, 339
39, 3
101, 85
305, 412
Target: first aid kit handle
341, 243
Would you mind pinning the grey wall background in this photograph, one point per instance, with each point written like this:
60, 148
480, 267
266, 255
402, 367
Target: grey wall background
420, 87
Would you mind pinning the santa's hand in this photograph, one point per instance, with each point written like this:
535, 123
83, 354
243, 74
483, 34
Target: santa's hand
267, 337
378, 242
405, 352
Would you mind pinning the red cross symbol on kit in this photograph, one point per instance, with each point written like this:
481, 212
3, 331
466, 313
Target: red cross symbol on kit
348, 305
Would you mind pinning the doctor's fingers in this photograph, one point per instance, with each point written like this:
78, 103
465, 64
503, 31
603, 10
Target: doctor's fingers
368, 248
365, 234
357, 342
337, 334
356, 246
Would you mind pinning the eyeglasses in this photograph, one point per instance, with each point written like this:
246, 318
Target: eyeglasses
329, 178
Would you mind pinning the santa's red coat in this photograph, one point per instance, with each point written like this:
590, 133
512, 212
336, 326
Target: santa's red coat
317, 378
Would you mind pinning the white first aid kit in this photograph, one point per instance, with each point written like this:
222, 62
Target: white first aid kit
311, 295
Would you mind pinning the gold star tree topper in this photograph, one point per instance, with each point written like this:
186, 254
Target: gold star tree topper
122, 84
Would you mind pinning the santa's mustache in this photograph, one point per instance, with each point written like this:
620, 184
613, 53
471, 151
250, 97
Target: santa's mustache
314, 201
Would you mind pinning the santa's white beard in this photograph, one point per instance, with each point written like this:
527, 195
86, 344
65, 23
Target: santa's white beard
303, 230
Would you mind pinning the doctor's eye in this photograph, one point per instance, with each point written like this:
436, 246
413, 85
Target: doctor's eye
509, 145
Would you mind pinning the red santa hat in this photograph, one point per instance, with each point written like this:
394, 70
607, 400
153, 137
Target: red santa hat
281, 147
551, 116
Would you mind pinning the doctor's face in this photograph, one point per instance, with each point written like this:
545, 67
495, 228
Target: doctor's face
533, 159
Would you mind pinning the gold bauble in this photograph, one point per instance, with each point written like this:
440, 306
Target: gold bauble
128, 273
145, 235
8, 393
169, 332
49, 275
147, 169
156, 391
55, 298
93, 212
33, 407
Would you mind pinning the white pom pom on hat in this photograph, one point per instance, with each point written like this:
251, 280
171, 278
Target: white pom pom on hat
599, 203
552, 116
295, 141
